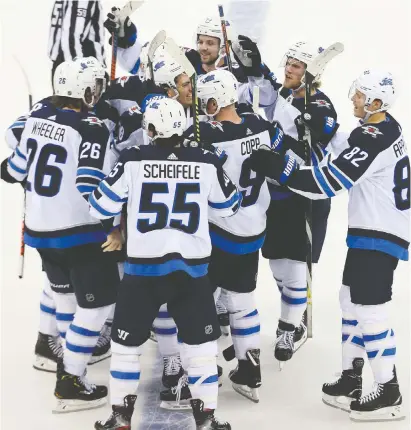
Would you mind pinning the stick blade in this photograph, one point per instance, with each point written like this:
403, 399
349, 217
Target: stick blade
322, 59
130, 7
157, 41
176, 52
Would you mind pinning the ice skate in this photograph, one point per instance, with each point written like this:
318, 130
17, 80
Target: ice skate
74, 393
205, 419
120, 418
383, 404
48, 351
172, 371
178, 397
348, 387
300, 336
246, 377
284, 344
102, 351
223, 318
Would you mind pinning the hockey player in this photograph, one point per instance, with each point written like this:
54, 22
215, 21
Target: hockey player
168, 188
375, 168
62, 155
286, 248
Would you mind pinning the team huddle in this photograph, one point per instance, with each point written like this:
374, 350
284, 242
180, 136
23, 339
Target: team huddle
150, 197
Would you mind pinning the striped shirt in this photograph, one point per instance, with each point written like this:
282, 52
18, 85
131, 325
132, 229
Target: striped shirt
77, 30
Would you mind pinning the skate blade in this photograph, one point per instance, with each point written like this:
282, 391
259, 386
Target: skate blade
65, 406
392, 413
97, 359
183, 405
45, 364
338, 402
247, 392
300, 343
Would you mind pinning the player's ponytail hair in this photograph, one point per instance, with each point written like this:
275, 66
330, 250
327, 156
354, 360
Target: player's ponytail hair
63, 102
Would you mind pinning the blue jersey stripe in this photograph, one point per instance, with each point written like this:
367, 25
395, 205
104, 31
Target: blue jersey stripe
110, 194
98, 208
381, 245
232, 247
65, 241
90, 172
165, 268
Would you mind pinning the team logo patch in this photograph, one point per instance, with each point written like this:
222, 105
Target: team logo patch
121, 133
92, 120
322, 103
386, 81
123, 80
208, 79
134, 110
373, 131
216, 124
208, 329
90, 297
159, 65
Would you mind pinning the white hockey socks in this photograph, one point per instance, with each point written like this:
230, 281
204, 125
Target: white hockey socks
66, 305
293, 278
202, 372
379, 340
166, 332
124, 372
351, 335
244, 321
82, 336
48, 323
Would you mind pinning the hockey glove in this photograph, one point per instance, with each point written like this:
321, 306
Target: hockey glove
127, 31
248, 56
322, 126
194, 58
269, 75
272, 164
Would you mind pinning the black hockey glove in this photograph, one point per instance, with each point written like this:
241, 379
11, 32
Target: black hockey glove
194, 58
269, 75
273, 165
126, 30
6, 177
104, 111
247, 55
322, 126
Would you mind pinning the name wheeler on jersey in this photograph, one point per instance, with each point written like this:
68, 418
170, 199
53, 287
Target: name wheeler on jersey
168, 192
245, 232
63, 155
376, 162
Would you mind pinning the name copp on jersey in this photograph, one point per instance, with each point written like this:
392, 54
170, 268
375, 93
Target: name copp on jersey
244, 232
168, 192
375, 168
64, 155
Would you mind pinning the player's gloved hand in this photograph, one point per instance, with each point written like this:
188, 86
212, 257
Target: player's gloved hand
269, 75
126, 30
322, 126
244, 108
104, 111
194, 57
272, 164
114, 241
247, 54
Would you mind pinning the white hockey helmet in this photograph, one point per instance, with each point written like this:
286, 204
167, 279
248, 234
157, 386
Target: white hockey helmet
142, 70
166, 70
304, 52
220, 85
210, 26
167, 116
375, 84
72, 78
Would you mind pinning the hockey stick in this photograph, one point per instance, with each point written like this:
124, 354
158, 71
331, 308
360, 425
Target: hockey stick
317, 66
256, 99
175, 51
23, 216
226, 42
157, 41
127, 10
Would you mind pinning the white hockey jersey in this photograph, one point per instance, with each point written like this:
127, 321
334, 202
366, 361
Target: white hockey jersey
63, 155
243, 233
375, 168
168, 191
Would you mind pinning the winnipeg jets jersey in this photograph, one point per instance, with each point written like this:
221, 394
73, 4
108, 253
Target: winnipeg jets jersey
168, 191
375, 168
63, 155
245, 232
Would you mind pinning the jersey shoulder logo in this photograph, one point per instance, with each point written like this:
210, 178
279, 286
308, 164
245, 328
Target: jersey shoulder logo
216, 124
134, 110
92, 120
122, 80
372, 131
322, 103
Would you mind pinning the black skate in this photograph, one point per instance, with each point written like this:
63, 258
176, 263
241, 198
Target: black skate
153, 335
284, 344
120, 418
383, 404
348, 387
220, 374
74, 393
102, 351
223, 318
178, 397
48, 351
300, 336
205, 419
172, 371
246, 377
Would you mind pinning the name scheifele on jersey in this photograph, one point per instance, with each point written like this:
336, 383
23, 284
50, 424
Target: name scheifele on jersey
375, 168
64, 155
245, 232
169, 192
